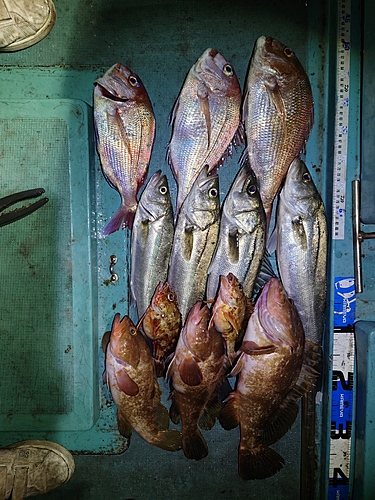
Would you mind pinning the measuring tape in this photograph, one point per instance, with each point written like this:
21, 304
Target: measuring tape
344, 288
342, 388
341, 414
341, 121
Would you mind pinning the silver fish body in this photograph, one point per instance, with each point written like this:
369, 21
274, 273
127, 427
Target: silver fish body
125, 132
277, 114
205, 119
301, 248
194, 241
242, 237
151, 241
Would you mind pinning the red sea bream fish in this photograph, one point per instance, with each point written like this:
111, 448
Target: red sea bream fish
125, 132
205, 119
131, 378
277, 113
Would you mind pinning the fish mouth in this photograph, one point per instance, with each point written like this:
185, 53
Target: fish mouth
275, 58
113, 81
161, 289
209, 178
155, 180
227, 290
109, 94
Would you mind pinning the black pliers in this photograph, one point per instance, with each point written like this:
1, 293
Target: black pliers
19, 213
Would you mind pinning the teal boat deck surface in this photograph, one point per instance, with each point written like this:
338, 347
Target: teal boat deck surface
57, 299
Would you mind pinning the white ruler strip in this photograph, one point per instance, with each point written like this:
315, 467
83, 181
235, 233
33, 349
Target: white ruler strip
341, 121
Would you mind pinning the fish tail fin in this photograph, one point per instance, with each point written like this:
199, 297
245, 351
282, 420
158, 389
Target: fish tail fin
123, 216
258, 463
169, 440
195, 446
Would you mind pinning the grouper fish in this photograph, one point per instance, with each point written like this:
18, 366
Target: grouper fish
272, 374
196, 372
130, 376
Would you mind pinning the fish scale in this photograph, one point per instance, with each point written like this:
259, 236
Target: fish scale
194, 241
277, 113
301, 247
125, 132
151, 241
205, 119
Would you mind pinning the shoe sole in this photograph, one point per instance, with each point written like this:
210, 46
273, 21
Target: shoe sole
62, 452
36, 37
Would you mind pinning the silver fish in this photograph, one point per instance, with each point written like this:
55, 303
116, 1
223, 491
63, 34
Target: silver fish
194, 241
151, 241
125, 132
301, 247
205, 119
242, 237
277, 113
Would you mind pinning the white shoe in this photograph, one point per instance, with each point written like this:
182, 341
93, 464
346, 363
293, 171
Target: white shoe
24, 22
30, 468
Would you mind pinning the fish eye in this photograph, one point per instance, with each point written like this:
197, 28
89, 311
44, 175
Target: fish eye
134, 81
212, 193
288, 52
133, 331
252, 189
306, 178
228, 70
171, 297
163, 190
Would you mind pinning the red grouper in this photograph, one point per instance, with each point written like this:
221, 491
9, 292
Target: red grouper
197, 373
131, 378
275, 368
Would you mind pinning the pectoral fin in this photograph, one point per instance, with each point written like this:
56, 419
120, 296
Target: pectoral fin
190, 372
204, 105
299, 232
254, 349
126, 384
276, 97
228, 417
